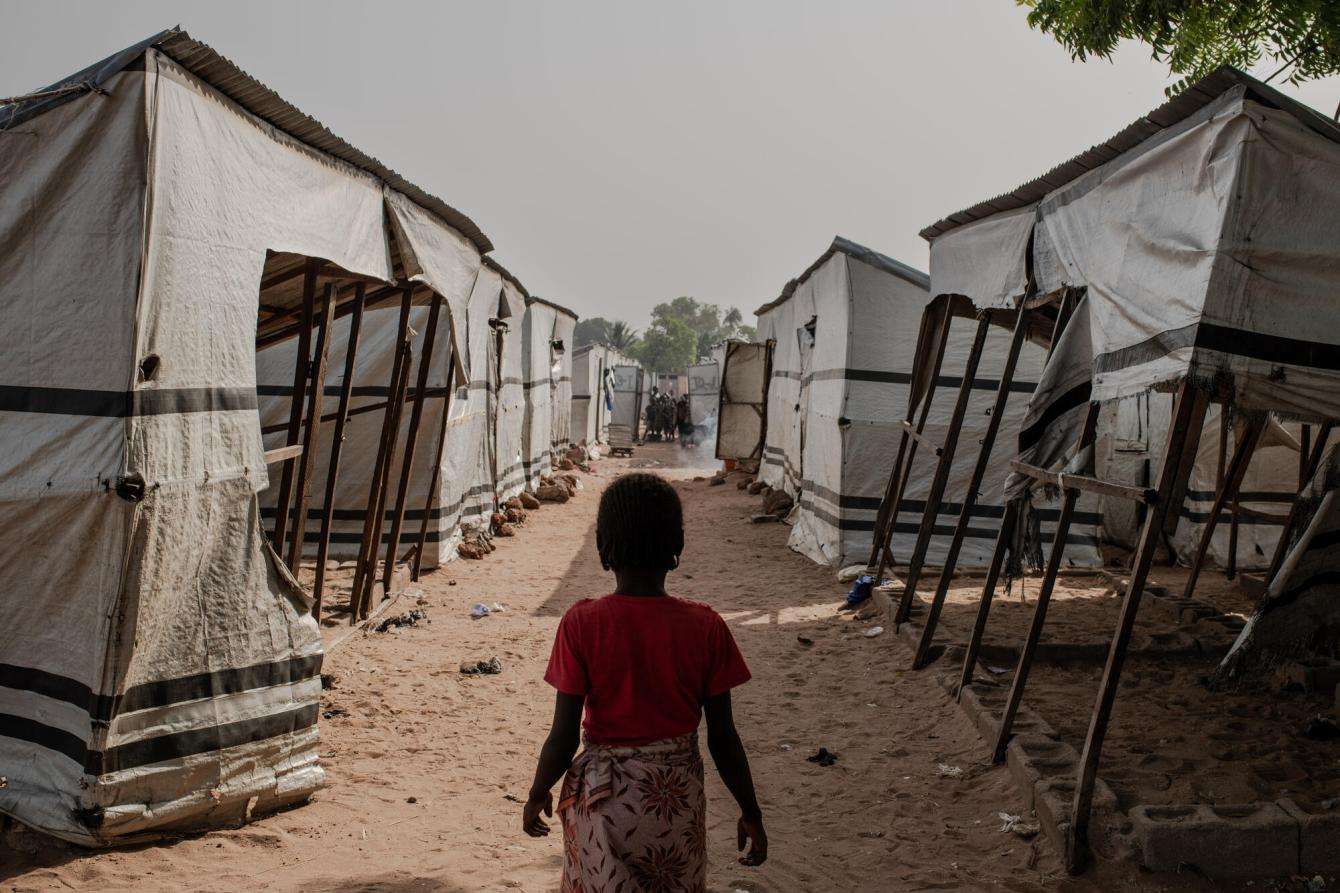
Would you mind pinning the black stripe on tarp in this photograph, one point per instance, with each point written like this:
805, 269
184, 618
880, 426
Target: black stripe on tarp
209, 685
1071, 399
104, 708
1244, 496
880, 376
868, 526
22, 728
1226, 517
918, 506
124, 404
1227, 340
198, 741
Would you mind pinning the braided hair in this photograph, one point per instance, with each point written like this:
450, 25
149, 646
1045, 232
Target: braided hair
640, 524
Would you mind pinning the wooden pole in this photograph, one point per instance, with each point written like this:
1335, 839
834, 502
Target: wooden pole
1188, 419
891, 522
1286, 532
384, 488
886, 504
367, 548
411, 441
942, 469
437, 470
336, 449
311, 439
1229, 484
301, 368
1003, 538
974, 485
1069, 497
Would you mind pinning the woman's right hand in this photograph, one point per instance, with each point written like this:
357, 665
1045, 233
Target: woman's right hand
531, 822
750, 830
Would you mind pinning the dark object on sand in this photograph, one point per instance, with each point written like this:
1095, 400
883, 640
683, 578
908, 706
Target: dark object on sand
823, 757
490, 667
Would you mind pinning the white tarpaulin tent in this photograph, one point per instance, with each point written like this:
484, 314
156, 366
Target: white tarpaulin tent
746, 370
161, 670
630, 387
547, 364
846, 334
704, 394
591, 395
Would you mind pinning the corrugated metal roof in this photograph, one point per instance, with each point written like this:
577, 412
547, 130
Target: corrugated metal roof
506, 274
852, 249
1179, 108
223, 75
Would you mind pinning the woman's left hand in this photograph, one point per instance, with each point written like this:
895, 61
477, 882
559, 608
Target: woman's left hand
531, 822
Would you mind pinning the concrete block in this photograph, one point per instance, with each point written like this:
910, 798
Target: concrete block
1249, 841
1318, 839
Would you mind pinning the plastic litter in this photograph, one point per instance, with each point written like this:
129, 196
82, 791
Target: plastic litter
480, 610
948, 771
1015, 824
850, 573
873, 631
409, 618
860, 590
490, 667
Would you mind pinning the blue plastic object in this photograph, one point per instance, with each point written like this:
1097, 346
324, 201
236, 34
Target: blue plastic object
861, 589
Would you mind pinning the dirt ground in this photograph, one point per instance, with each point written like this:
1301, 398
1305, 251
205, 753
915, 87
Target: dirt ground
427, 767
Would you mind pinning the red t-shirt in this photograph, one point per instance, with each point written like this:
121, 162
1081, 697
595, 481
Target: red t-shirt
644, 664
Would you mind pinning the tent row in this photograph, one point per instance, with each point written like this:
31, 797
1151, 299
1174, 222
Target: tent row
233, 341
1137, 349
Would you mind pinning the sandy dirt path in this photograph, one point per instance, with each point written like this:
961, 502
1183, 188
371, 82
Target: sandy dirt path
428, 767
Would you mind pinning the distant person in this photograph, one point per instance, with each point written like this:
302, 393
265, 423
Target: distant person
646, 666
684, 423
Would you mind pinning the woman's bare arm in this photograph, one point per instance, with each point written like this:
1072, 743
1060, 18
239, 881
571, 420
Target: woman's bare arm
555, 758
727, 750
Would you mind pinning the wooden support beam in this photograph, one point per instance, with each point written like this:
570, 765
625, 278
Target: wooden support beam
1229, 484
1085, 483
974, 486
301, 368
370, 541
311, 440
885, 548
411, 441
887, 507
941, 478
1295, 512
283, 453
1003, 538
436, 477
1021, 670
337, 450
1188, 419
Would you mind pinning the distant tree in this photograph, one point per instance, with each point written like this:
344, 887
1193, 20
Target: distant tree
593, 330
709, 326
621, 336
1194, 37
746, 333
667, 345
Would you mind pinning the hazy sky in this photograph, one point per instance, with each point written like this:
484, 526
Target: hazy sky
620, 153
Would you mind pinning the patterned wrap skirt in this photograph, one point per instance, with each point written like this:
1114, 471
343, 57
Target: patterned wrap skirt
635, 819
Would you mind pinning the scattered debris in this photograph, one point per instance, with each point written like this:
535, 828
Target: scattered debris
490, 667
805, 640
528, 501
411, 799
871, 835
756, 488
717, 480
1321, 728
4, 782
997, 671
480, 610
764, 519
409, 618
1015, 824
873, 631
786, 748
566, 464
823, 757
744, 484
552, 493
849, 573
1316, 884
778, 502
334, 712
512, 798
329, 681
947, 771
451, 582
515, 515
861, 590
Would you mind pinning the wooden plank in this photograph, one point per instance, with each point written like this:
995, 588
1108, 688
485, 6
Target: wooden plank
337, 450
301, 367
885, 547
1229, 484
435, 479
312, 434
368, 545
1085, 483
1313, 462
941, 478
411, 440
974, 486
1003, 539
1188, 418
1044, 597
397, 413
283, 453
